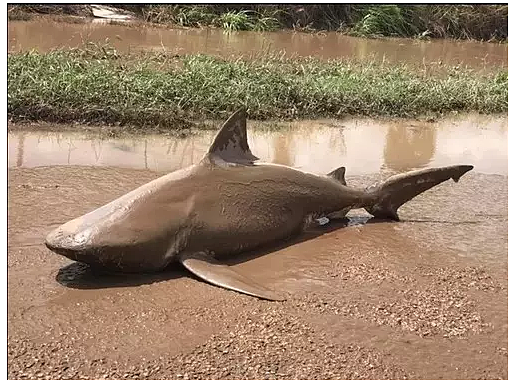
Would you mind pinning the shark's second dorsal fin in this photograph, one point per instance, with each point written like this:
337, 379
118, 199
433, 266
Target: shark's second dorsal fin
230, 145
339, 175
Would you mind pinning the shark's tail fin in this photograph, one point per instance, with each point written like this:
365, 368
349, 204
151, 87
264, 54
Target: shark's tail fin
389, 195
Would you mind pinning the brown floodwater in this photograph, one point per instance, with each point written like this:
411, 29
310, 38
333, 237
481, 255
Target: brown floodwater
44, 35
422, 298
364, 146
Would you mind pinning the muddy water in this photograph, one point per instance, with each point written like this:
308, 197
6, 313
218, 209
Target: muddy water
45, 35
364, 146
423, 298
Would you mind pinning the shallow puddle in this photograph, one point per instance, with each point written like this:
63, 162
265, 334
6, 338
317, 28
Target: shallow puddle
44, 35
364, 146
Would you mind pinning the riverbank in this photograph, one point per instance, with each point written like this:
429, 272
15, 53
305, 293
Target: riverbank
473, 21
97, 85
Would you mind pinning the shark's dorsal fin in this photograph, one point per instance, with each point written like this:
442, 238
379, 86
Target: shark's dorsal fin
230, 146
339, 175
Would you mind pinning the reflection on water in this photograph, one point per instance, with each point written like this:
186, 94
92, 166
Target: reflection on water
282, 150
45, 35
417, 144
21, 149
364, 146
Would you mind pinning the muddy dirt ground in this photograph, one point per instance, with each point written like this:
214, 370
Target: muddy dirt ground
425, 298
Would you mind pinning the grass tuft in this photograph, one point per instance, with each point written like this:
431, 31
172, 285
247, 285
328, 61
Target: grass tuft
204, 15
384, 20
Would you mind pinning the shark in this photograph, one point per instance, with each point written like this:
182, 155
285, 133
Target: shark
227, 203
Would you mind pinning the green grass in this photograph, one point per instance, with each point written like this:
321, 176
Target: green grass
205, 15
385, 20
469, 21
480, 22
473, 21
100, 86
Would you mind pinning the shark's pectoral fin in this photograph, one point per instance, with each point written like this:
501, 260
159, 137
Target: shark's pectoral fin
209, 269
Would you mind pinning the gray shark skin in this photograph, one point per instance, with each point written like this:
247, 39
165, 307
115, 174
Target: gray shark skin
225, 204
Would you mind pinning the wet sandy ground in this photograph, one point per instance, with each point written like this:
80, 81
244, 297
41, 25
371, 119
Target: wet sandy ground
425, 298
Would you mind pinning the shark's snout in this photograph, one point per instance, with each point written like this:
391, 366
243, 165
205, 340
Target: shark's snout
67, 243
81, 243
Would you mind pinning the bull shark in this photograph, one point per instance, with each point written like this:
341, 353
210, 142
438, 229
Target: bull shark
226, 204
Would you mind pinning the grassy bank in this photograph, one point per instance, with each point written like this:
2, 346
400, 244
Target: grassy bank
480, 22
100, 86
472, 21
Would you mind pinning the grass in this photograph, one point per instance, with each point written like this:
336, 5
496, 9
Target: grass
479, 22
384, 20
474, 21
100, 86
203, 15
28, 11
485, 22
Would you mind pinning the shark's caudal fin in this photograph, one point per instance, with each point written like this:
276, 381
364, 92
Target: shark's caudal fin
230, 146
388, 196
